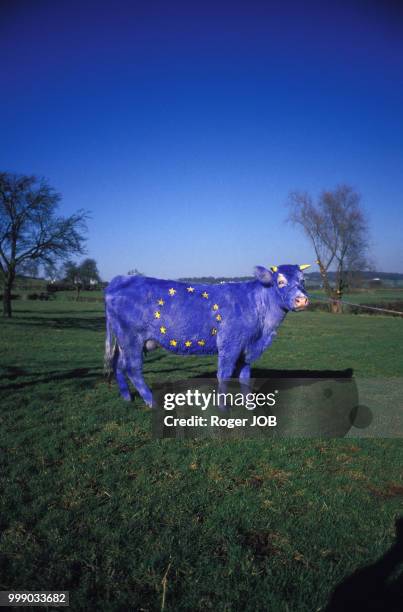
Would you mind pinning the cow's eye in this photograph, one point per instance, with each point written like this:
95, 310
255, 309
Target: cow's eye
281, 282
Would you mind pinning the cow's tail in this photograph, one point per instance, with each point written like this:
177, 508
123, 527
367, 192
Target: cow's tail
110, 348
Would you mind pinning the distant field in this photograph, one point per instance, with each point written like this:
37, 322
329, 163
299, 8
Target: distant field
367, 296
91, 504
97, 294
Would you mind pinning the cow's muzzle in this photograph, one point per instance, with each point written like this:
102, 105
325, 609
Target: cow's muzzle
300, 303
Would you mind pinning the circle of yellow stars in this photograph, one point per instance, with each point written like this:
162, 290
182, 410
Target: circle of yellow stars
187, 343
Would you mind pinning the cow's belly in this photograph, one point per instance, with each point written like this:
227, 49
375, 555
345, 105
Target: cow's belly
193, 350
197, 339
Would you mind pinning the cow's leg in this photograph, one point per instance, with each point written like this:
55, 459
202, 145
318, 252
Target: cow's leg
244, 378
134, 370
119, 371
226, 367
242, 372
252, 353
242, 369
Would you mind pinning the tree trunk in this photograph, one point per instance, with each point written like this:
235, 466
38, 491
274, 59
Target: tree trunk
325, 280
8, 285
335, 306
332, 294
338, 291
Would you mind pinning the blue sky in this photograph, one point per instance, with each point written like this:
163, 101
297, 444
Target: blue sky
183, 126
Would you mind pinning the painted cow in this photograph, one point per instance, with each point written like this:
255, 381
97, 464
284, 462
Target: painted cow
238, 321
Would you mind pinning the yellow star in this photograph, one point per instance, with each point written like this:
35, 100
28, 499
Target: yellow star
188, 343
157, 314
205, 295
201, 342
172, 291
173, 343
163, 330
214, 331
161, 302
215, 307
218, 317
190, 289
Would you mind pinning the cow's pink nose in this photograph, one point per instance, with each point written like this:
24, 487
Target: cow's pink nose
301, 302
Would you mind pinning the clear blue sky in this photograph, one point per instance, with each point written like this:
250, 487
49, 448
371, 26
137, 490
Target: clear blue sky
183, 126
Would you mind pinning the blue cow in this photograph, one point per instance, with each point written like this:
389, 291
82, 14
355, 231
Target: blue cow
236, 320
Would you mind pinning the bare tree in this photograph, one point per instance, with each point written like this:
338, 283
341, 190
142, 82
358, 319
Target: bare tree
31, 232
338, 231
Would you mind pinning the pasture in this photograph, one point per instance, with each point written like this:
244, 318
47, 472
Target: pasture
91, 504
367, 296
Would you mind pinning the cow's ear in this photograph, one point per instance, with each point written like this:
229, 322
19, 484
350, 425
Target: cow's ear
263, 275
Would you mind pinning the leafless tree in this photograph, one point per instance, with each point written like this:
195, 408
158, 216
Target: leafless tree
338, 231
31, 232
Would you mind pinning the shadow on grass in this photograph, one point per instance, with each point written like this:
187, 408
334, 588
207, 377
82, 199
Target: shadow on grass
13, 372
45, 313
291, 374
186, 369
266, 373
372, 588
88, 323
53, 376
149, 359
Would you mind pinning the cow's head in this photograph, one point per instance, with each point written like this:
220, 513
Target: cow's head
288, 283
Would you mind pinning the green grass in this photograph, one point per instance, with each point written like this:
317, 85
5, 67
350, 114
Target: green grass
91, 504
94, 294
367, 296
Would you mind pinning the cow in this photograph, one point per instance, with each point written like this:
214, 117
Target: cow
237, 321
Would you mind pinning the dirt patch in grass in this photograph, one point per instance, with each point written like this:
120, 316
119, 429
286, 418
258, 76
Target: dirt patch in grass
392, 489
264, 543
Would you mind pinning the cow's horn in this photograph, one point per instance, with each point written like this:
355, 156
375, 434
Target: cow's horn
304, 266
273, 268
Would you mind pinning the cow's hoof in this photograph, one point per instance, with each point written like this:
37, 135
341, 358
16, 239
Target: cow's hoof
126, 396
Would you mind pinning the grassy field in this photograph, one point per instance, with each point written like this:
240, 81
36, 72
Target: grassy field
368, 296
91, 504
